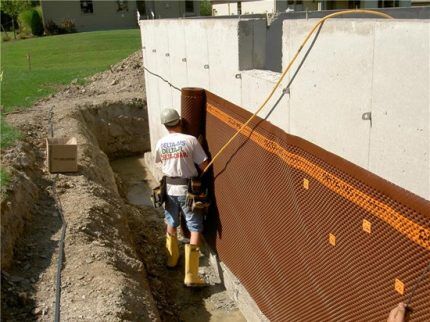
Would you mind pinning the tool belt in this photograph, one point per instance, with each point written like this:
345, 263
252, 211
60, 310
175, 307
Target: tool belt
197, 197
177, 181
159, 193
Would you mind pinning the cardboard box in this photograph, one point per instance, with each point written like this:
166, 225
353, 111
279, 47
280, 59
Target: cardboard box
62, 154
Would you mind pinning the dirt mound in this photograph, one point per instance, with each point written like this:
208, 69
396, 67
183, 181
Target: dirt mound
125, 79
123, 82
102, 277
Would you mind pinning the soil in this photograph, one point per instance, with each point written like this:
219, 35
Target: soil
113, 265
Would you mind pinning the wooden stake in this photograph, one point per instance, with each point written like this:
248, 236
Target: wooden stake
29, 61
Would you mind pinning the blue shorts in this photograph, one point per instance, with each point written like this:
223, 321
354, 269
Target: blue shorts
172, 208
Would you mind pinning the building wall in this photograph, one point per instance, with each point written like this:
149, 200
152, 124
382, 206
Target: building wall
169, 9
224, 9
419, 3
248, 7
270, 6
308, 5
262, 6
354, 67
374, 4
104, 16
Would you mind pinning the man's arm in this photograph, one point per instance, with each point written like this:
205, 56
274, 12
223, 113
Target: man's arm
199, 155
204, 164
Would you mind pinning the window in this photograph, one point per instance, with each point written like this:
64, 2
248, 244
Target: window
122, 5
355, 5
86, 6
189, 6
295, 2
141, 6
388, 4
239, 8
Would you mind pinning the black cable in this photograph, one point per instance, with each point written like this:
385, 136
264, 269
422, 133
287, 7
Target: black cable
60, 255
161, 77
51, 128
417, 283
63, 234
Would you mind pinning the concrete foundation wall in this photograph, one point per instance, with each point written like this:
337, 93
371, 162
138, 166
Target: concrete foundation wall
359, 66
199, 53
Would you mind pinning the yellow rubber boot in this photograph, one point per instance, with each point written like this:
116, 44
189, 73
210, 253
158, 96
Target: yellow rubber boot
192, 278
172, 250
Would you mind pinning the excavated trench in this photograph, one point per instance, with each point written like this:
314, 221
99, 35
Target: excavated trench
114, 247
122, 133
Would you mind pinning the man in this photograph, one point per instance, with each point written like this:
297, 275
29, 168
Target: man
178, 154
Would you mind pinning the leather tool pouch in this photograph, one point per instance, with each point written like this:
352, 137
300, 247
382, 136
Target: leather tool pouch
197, 197
159, 194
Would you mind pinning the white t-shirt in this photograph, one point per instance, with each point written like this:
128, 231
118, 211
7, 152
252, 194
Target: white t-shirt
178, 154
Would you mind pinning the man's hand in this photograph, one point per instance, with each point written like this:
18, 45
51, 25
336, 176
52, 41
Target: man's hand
204, 164
398, 314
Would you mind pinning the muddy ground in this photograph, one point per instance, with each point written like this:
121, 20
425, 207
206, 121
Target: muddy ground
113, 267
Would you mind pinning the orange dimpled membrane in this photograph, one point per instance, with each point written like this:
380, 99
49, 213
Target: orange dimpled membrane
271, 228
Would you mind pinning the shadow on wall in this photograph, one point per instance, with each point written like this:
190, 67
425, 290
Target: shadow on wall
213, 224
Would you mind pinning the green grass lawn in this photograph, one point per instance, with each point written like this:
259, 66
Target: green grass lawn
58, 60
